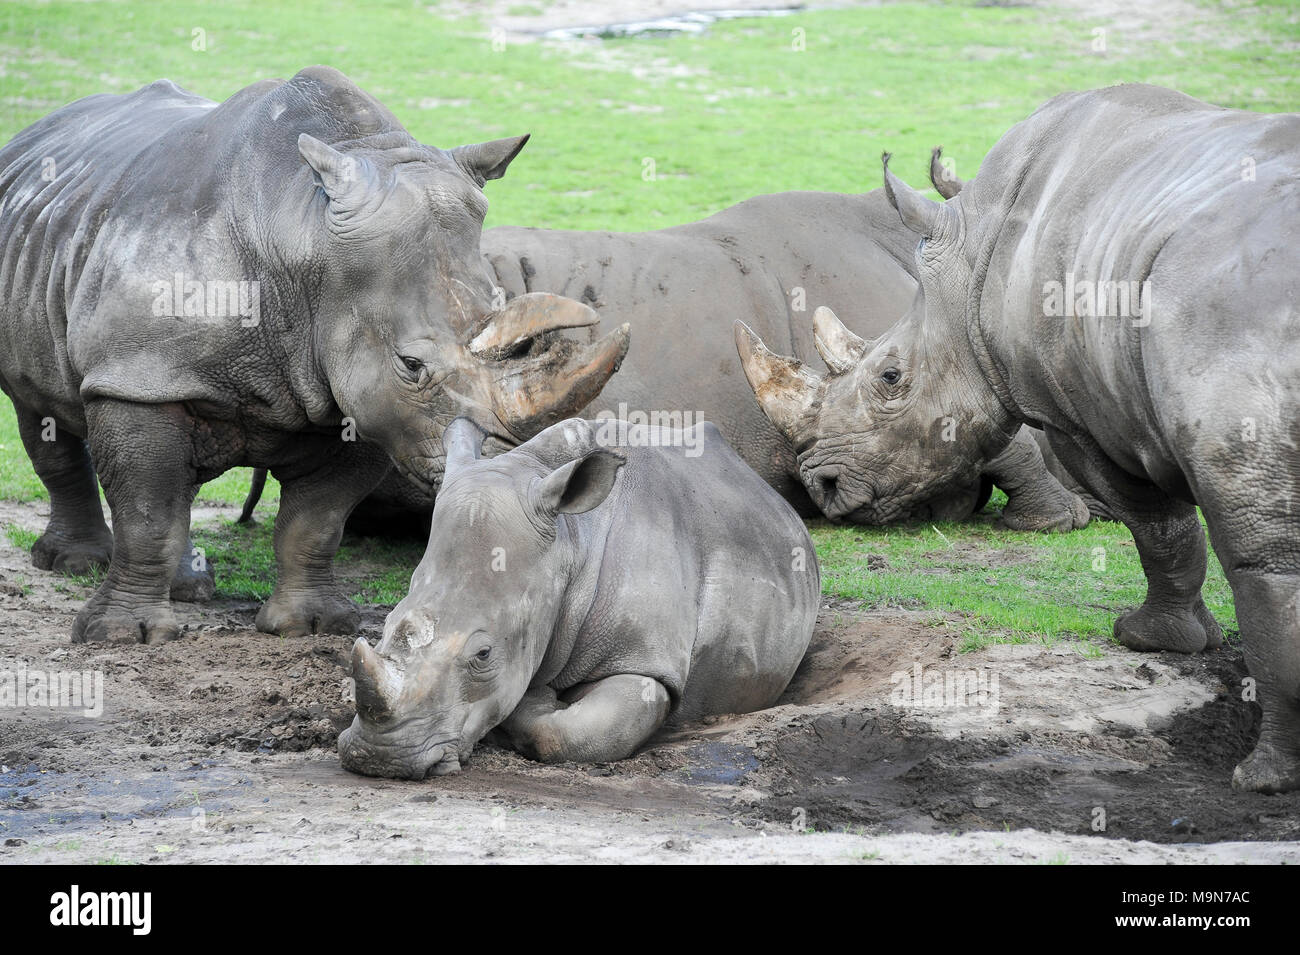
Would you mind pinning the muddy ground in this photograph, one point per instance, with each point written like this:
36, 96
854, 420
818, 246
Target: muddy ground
221, 746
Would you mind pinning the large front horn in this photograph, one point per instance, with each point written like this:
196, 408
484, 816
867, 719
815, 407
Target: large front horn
838, 346
785, 389
377, 685
524, 318
529, 396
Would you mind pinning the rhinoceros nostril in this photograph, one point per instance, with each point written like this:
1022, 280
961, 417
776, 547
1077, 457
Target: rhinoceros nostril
827, 481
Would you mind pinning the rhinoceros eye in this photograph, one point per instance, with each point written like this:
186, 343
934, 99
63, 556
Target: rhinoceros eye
482, 655
891, 376
413, 365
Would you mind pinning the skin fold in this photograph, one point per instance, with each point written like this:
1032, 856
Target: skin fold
285, 280
578, 592
1190, 397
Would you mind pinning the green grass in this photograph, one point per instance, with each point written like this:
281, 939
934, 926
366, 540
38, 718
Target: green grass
1008, 586
724, 115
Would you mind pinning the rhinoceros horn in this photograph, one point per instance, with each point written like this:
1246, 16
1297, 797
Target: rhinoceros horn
838, 346
942, 178
786, 390
377, 684
526, 317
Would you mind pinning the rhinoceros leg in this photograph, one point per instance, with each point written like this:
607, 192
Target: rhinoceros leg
1268, 610
76, 539
313, 507
1170, 541
1036, 501
144, 458
602, 721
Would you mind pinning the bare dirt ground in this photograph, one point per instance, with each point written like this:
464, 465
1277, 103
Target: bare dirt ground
221, 747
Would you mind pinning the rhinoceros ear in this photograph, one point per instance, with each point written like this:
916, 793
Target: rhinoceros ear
484, 161
918, 213
579, 485
344, 178
942, 177
462, 442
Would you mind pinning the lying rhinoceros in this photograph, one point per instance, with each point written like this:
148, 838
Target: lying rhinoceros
578, 591
769, 261
1124, 271
286, 279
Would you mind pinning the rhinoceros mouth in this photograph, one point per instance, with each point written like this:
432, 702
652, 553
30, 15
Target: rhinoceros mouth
361, 754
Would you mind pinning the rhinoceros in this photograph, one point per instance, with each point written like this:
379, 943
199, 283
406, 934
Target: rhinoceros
285, 279
578, 592
769, 261
1123, 272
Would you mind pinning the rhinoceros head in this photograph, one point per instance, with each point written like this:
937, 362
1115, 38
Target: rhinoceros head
410, 331
898, 427
460, 650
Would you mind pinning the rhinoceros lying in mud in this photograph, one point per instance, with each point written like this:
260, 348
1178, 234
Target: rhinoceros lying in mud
578, 591
762, 261
1124, 273
286, 279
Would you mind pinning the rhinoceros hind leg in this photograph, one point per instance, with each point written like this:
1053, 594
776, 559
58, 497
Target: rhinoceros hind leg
143, 453
308, 528
76, 539
600, 722
1268, 610
1036, 501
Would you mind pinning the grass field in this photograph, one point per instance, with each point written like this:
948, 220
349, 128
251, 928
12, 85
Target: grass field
735, 111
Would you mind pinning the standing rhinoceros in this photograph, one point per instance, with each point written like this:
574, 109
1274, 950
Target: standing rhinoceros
769, 261
1124, 273
285, 279
578, 591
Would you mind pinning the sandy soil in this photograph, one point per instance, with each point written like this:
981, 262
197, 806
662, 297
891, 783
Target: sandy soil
220, 747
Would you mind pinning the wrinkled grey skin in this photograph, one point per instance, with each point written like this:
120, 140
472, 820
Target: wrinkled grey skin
1194, 401
364, 243
768, 261
579, 591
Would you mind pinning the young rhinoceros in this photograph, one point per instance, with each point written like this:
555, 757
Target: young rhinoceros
579, 596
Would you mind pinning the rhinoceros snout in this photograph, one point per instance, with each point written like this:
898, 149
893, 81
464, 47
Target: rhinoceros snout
366, 757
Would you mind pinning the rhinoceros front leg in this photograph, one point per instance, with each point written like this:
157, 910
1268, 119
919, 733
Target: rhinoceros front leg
1170, 541
1036, 501
144, 457
76, 539
595, 723
308, 528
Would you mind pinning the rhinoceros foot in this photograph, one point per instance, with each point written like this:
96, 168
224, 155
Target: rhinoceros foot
113, 619
1268, 769
68, 553
1182, 631
303, 613
1055, 513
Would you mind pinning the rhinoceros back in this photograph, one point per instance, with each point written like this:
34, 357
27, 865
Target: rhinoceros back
705, 580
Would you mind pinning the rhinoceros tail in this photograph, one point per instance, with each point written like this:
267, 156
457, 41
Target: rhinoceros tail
254, 495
